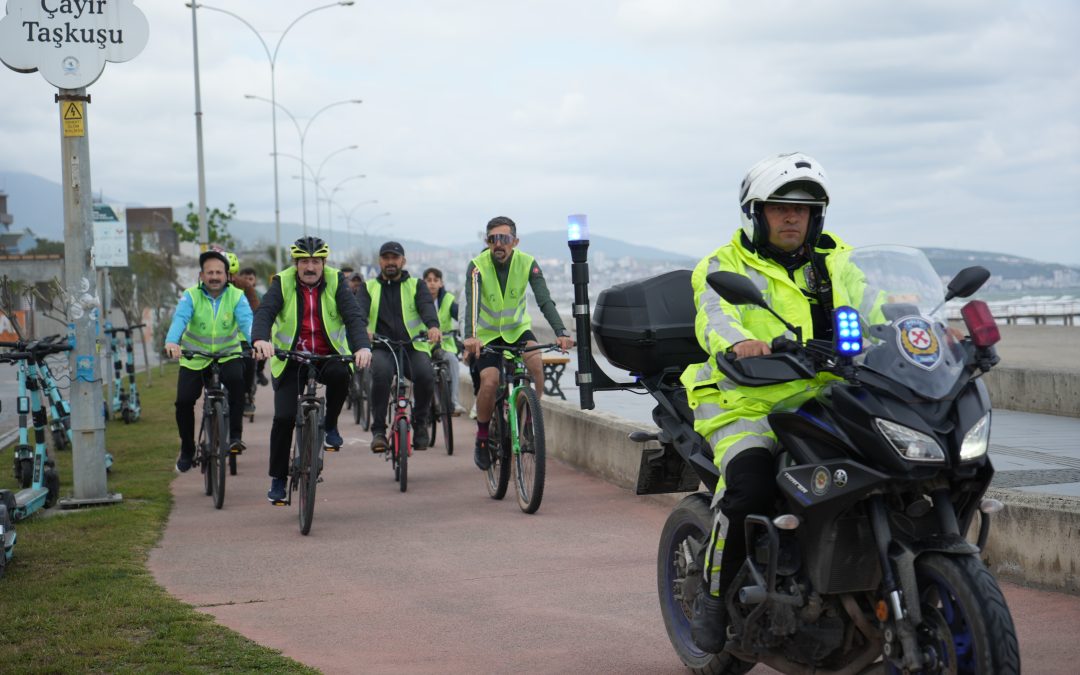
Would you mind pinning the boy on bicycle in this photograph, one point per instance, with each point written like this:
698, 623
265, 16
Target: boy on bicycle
213, 317
498, 314
447, 306
310, 308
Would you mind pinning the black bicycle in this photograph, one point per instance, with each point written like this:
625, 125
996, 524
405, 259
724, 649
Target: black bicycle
307, 451
212, 453
517, 428
442, 402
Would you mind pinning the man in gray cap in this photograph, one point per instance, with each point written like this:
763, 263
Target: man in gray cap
399, 307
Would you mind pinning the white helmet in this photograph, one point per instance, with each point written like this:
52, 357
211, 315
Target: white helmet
794, 178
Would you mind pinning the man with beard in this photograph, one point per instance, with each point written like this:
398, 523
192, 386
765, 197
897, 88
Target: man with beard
495, 284
398, 308
212, 317
310, 308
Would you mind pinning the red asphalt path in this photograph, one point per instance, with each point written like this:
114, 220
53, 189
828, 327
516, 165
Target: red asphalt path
443, 579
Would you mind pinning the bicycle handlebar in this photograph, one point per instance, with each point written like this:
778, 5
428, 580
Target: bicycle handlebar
307, 357
517, 350
213, 356
127, 329
400, 343
36, 348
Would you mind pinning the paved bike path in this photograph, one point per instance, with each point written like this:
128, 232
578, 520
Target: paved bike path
444, 579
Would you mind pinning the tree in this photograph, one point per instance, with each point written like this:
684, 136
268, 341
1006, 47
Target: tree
47, 247
217, 226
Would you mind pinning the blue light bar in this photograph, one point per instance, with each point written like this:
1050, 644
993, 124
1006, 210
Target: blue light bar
847, 334
577, 227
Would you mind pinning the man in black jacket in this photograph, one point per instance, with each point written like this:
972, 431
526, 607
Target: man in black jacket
398, 308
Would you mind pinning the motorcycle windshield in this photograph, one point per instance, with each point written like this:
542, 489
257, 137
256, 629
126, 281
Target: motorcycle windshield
901, 306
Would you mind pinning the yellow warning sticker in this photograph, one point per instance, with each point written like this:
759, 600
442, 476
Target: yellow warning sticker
71, 116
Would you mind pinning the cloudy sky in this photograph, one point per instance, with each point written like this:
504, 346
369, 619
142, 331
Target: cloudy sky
950, 124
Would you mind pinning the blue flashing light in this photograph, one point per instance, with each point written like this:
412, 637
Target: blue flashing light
848, 335
577, 227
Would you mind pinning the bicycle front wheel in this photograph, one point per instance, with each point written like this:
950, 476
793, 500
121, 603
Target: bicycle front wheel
365, 400
309, 468
204, 451
219, 451
401, 434
447, 417
498, 471
529, 461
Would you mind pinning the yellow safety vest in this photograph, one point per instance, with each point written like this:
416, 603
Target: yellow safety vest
446, 324
499, 313
209, 332
414, 326
287, 324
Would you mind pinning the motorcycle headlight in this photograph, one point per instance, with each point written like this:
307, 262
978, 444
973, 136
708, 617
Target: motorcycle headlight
976, 440
912, 445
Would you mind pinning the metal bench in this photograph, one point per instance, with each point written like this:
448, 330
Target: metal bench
554, 365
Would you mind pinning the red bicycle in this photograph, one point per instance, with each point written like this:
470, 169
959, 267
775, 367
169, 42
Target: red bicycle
399, 412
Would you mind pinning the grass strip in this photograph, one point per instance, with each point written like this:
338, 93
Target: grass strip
77, 596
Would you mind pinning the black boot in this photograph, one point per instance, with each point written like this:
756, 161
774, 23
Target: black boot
708, 627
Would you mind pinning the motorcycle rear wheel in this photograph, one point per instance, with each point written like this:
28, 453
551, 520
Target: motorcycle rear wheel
678, 580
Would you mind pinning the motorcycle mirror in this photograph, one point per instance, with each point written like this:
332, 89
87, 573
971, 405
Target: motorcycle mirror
967, 281
736, 289
739, 290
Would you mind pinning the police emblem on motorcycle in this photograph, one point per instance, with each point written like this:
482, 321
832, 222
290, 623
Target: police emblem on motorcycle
820, 480
840, 478
918, 343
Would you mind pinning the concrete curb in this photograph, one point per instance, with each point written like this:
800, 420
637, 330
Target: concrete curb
1035, 540
1030, 390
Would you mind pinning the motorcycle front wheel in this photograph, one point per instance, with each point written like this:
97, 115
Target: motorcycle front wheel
678, 579
966, 621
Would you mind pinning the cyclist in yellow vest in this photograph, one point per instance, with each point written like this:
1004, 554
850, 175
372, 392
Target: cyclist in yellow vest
495, 284
781, 247
213, 317
400, 308
309, 308
447, 306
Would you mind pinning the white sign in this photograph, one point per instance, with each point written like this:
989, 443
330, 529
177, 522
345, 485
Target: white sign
110, 237
69, 41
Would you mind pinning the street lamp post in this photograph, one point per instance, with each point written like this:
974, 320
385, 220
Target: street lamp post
303, 136
317, 179
349, 214
366, 227
272, 58
330, 202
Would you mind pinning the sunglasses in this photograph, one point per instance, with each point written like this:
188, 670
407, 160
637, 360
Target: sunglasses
500, 239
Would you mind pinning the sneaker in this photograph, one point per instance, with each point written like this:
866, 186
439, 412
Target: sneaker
249, 408
237, 447
481, 455
261, 377
333, 440
184, 462
276, 495
458, 410
421, 436
472, 411
378, 442
708, 626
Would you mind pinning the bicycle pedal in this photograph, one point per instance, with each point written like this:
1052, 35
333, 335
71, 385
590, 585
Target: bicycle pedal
279, 502
331, 448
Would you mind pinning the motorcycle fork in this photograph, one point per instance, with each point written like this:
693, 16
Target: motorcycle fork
903, 617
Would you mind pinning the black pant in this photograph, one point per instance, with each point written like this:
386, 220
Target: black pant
751, 488
249, 372
417, 367
189, 386
334, 374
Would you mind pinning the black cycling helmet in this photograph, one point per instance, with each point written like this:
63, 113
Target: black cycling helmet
213, 255
309, 247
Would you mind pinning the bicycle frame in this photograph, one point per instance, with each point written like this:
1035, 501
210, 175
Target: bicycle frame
402, 402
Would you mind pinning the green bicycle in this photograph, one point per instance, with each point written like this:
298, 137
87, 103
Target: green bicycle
517, 430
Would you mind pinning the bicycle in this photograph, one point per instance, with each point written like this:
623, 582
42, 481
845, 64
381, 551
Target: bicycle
442, 402
359, 399
399, 412
307, 450
212, 452
517, 428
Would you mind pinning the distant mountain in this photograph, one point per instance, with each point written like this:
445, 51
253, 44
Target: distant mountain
36, 203
948, 262
552, 244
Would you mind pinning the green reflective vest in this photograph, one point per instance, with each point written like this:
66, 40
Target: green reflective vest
500, 313
287, 322
413, 323
209, 332
446, 324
